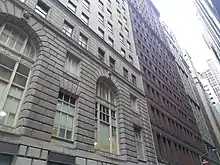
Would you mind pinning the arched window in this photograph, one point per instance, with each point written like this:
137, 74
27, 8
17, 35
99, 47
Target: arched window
14, 72
106, 132
13, 38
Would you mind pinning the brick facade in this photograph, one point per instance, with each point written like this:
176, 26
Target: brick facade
32, 136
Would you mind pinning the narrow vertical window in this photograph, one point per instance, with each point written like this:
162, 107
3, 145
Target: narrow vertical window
83, 40
42, 8
67, 29
86, 4
64, 116
139, 143
106, 120
112, 63
71, 6
85, 18
125, 73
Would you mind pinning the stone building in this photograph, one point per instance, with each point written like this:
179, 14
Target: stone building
70, 85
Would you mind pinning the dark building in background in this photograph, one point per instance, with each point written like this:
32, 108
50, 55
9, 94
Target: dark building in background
176, 134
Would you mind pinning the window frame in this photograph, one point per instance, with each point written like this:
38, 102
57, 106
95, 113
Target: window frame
120, 25
75, 59
128, 45
74, 115
125, 73
134, 79
101, 19
67, 25
101, 33
112, 62
85, 18
70, 3
39, 10
101, 5
109, 14
110, 41
81, 37
110, 27
139, 131
18, 61
111, 106
121, 38
101, 54
86, 5
123, 52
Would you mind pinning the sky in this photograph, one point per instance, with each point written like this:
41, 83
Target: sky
180, 16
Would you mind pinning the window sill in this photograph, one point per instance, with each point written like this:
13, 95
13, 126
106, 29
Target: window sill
142, 160
109, 155
71, 74
7, 129
62, 139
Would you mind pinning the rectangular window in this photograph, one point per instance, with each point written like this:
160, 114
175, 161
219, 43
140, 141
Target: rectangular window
85, 18
101, 5
126, 32
119, 13
112, 63
101, 54
64, 116
118, 3
133, 102
83, 40
86, 4
101, 18
71, 6
101, 33
106, 127
121, 38
123, 10
128, 45
125, 73
133, 80
131, 60
109, 14
67, 29
13, 80
110, 28
122, 52
125, 20
42, 9
139, 143
72, 64
109, 2
110, 41
119, 25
